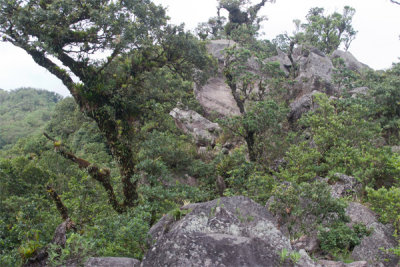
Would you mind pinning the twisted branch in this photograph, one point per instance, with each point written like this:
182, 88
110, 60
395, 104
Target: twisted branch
99, 174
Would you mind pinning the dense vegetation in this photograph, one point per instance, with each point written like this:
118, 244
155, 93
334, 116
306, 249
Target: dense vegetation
24, 112
132, 163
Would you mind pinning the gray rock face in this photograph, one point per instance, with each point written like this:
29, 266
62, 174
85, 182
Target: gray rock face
216, 48
302, 105
204, 131
307, 242
283, 60
341, 264
370, 249
112, 262
346, 185
216, 97
315, 72
349, 60
225, 232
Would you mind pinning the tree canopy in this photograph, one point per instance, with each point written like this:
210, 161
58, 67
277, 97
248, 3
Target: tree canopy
112, 90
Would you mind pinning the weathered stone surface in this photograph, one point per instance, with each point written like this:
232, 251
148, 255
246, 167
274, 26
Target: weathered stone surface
314, 72
225, 232
370, 249
309, 243
204, 131
216, 97
302, 105
325, 263
283, 59
112, 262
349, 60
216, 48
345, 186
359, 213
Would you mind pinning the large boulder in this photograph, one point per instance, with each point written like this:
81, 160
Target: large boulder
204, 131
233, 231
216, 97
372, 247
314, 72
216, 48
283, 60
349, 60
302, 105
344, 186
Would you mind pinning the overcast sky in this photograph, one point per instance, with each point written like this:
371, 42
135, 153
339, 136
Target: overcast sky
377, 43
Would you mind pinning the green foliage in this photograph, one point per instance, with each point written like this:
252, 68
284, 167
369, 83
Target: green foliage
243, 177
344, 78
179, 213
341, 239
284, 254
28, 249
385, 108
386, 203
125, 128
24, 112
243, 20
341, 139
258, 112
306, 205
76, 251
120, 235
327, 32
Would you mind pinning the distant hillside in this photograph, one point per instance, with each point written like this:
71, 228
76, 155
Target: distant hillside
24, 111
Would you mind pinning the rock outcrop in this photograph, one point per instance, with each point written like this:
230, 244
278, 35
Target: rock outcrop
203, 131
372, 247
349, 60
216, 97
302, 105
216, 48
314, 72
345, 186
283, 59
232, 231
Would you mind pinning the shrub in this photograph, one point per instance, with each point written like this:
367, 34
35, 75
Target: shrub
340, 238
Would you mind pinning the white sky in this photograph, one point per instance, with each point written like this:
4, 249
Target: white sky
377, 43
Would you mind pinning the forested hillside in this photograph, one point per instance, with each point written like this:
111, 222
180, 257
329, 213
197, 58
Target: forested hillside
24, 112
292, 143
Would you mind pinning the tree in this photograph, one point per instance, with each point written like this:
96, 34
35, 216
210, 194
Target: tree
242, 16
213, 28
111, 91
328, 32
249, 88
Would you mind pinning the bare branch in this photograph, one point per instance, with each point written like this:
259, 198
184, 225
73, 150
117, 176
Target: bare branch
395, 2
